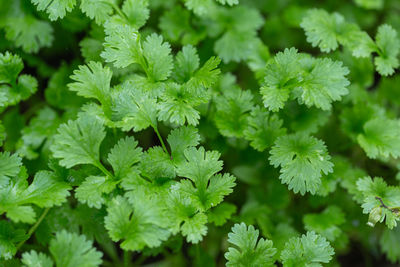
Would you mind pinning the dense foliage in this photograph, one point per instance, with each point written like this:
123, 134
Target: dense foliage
199, 133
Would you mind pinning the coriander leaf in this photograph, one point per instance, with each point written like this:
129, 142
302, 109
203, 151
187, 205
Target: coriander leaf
40, 129
157, 165
205, 188
14, 87
207, 75
388, 242
98, 10
158, 56
124, 158
93, 81
187, 62
134, 108
29, 33
326, 223
137, 12
9, 237
177, 105
263, 128
195, 228
78, 142
91, 191
55, 8
138, 222
221, 213
279, 76
321, 29
249, 250
380, 201
184, 216
380, 137
313, 81
180, 139
122, 45
325, 83
34, 259
308, 250
10, 166
303, 160
388, 45
46, 190
233, 109
73, 250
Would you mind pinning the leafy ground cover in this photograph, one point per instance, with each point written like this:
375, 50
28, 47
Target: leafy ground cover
239, 133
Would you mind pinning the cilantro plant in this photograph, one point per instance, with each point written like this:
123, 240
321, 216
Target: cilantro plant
239, 133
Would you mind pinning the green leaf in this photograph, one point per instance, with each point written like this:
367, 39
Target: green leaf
122, 45
91, 191
9, 237
233, 109
308, 250
100, 11
187, 62
180, 139
124, 158
34, 259
14, 87
388, 242
78, 142
178, 105
221, 213
249, 250
55, 8
158, 56
303, 159
205, 188
138, 222
388, 45
325, 223
93, 81
137, 12
380, 201
263, 128
10, 166
207, 75
46, 190
29, 33
73, 250
134, 109
380, 137
313, 81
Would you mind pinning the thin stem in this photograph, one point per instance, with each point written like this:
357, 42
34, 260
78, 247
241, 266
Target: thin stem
127, 258
34, 227
103, 169
160, 138
119, 11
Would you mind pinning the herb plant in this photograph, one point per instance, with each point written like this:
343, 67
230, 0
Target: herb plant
241, 133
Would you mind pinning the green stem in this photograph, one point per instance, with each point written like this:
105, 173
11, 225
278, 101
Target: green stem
33, 228
161, 140
119, 11
127, 258
103, 169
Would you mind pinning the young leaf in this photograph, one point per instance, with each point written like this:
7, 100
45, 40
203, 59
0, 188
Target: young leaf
380, 201
34, 259
73, 250
308, 250
55, 8
303, 159
78, 142
388, 45
138, 222
249, 251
